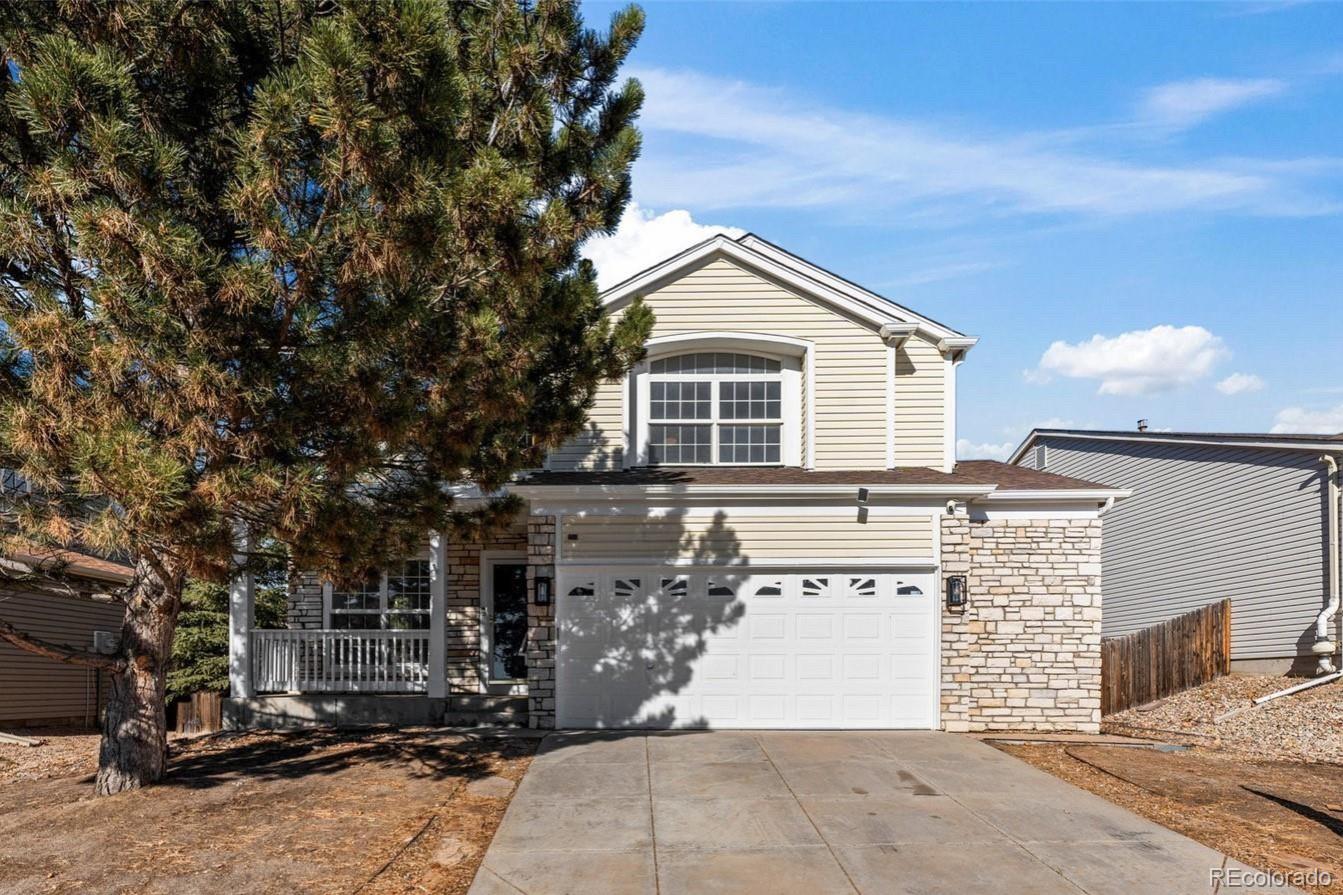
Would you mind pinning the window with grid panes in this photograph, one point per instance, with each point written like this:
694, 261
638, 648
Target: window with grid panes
395, 600
715, 407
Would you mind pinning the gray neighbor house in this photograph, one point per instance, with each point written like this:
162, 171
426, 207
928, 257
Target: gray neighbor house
1212, 515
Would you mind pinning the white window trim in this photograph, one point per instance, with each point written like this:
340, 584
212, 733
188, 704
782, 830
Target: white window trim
488, 560
794, 356
328, 611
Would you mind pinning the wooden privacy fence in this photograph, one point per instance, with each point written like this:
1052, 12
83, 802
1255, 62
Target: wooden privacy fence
1179, 653
200, 713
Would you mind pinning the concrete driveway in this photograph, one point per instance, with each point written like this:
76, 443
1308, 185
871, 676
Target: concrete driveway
817, 813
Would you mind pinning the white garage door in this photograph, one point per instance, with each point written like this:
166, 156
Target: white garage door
667, 647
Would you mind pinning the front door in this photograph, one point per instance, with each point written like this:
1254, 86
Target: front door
507, 622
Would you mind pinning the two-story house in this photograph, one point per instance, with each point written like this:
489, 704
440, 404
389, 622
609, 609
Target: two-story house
762, 526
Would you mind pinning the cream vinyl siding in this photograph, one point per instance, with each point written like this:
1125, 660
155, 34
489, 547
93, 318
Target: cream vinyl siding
744, 538
920, 404
602, 443
849, 403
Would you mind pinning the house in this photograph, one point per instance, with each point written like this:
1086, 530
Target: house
762, 526
1240, 516
35, 690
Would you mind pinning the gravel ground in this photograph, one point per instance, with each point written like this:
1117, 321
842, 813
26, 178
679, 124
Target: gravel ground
1307, 726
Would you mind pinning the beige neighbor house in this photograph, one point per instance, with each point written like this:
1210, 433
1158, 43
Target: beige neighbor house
763, 526
62, 597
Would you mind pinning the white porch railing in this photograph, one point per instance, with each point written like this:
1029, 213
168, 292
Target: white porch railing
340, 661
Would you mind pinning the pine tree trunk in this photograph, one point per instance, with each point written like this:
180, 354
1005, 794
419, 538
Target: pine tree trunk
134, 748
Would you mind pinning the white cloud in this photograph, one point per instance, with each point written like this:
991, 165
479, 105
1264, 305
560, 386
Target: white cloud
645, 238
1238, 383
969, 450
1304, 421
1186, 103
715, 143
1142, 362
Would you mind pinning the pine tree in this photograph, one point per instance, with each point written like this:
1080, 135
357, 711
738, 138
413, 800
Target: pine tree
282, 269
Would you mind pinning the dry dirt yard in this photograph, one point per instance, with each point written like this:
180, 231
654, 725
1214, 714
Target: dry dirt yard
349, 811
1264, 785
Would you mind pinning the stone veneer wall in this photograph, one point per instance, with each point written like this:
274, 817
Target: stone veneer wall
462, 625
463, 597
1025, 655
304, 609
541, 640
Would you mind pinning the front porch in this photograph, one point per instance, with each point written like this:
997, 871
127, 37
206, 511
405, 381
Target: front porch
289, 711
449, 637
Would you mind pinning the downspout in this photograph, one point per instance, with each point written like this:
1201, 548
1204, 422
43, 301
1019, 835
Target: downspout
1324, 646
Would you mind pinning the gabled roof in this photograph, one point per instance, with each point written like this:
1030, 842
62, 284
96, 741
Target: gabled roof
1268, 440
69, 562
816, 282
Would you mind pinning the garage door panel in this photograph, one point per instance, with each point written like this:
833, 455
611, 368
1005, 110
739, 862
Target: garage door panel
862, 626
814, 626
769, 709
816, 667
653, 647
718, 667
767, 667
861, 668
767, 626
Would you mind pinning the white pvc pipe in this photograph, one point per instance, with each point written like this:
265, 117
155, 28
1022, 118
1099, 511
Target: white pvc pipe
1313, 682
1324, 646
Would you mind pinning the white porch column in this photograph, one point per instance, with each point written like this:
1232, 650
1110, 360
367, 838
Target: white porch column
438, 609
241, 600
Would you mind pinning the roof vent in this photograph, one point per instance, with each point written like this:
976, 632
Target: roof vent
1142, 425
1041, 457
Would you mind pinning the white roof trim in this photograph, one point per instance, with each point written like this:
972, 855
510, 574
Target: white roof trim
1335, 447
780, 492
1054, 494
896, 334
825, 277
789, 269
954, 344
742, 341
772, 562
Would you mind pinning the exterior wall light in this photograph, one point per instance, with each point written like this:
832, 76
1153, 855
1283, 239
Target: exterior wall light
957, 596
543, 586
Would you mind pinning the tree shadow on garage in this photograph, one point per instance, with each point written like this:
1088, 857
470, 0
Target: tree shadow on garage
629, 638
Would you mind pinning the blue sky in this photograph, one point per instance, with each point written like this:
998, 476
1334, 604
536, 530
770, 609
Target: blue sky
1137, 207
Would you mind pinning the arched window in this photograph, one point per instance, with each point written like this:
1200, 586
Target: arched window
715, 407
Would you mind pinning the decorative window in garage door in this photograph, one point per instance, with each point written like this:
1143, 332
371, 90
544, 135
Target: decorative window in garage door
770, 587
720, 588
584, 593
676, 588
815, 587
862, 586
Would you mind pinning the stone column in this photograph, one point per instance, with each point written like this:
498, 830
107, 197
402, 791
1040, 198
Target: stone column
541, 623
1025, 655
